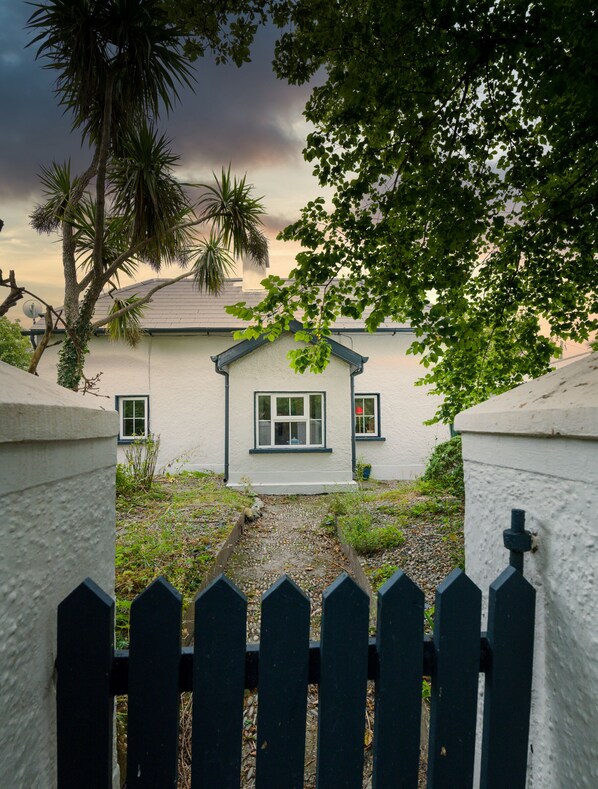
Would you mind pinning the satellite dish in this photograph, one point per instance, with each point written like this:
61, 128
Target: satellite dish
33, 309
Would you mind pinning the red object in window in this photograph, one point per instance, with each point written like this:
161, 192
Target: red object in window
358, 409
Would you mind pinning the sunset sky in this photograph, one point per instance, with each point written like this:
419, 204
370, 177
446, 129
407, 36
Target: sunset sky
243, 116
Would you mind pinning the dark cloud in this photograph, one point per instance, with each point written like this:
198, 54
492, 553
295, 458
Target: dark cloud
33, 130
243, 116
274, 224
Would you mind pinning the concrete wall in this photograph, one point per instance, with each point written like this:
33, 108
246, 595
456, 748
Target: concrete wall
536, 449
267, 370
57, 456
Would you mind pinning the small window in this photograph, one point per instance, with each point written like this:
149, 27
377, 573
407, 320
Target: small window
367, 415
133, 412
290, 420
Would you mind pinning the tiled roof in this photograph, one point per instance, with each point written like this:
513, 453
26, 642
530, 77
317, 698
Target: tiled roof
182, 306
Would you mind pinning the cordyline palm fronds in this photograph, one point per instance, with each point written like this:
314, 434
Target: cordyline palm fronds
127, 325
93, 43
236, 214
118, 63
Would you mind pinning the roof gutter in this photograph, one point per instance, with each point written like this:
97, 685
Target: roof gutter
220, 371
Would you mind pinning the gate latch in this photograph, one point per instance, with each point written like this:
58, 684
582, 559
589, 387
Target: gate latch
517, 540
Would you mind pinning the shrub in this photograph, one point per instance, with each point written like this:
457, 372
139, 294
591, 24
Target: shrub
142, 456
445, 467
14, 348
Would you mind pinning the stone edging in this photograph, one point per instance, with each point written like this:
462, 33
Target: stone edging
356, 570
217, 567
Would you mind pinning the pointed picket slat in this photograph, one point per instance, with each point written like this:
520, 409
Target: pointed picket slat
511, 613
343, 684
282, 689
84, 704
397, 719
153, 710
218, 686
454, 683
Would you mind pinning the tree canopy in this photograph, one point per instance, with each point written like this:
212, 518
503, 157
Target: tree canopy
456, 146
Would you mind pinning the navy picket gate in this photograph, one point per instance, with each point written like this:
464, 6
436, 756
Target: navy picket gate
220, 666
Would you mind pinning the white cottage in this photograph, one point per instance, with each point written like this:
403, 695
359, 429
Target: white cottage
238, 408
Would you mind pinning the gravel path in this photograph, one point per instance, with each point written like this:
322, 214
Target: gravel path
287, 538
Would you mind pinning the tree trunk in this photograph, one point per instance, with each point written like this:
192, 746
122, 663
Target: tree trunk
72, 354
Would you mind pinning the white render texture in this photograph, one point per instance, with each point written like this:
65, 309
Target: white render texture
404, 407
186, 399
57, 457
536, 448
186, 395
267, 370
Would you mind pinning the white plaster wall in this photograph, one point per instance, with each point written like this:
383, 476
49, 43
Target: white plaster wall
57, 505
535, 448
556, 482
403, 406
186, 405
267, 369
187, 397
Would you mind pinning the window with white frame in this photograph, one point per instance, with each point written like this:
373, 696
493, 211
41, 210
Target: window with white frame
290, 420
133, 412
367, 415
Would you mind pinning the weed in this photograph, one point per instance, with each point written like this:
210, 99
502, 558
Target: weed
363, 469
381, 575
434, 506
329, 525
359, 531
429, 619
426, 689
173, 530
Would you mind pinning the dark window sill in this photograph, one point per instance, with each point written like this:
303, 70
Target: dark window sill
370, 438
288, 450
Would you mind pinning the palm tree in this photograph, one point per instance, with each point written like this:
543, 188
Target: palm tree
120, 62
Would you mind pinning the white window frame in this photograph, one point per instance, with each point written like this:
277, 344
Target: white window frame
305, 419
376, 398
120, 401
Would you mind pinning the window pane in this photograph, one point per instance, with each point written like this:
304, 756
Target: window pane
297, 406
359, 426
263, 406
139, 427
315, 431
368, 406
128, 409
298, 433
128, 427
369, 424
315, 406
263, 439
282, 433
282, 406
